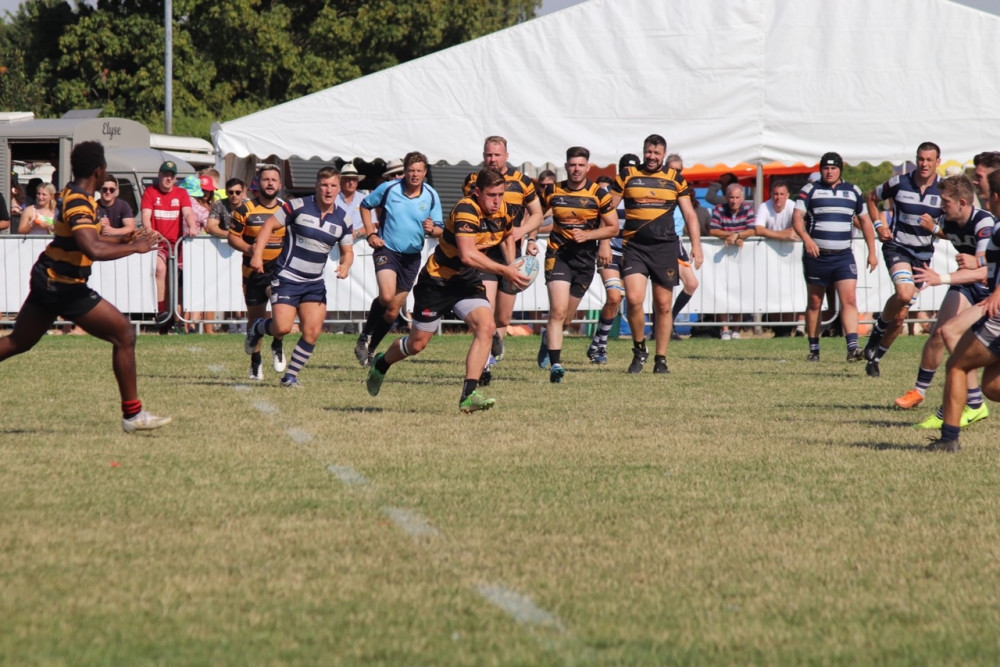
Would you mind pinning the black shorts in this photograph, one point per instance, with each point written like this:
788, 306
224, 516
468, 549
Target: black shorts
656, 261
575, 268
64, 300
433, 299
496, 254
255, 288
682, 255
405, 265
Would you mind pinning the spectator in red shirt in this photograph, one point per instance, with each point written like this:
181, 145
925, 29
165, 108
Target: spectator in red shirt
167, 209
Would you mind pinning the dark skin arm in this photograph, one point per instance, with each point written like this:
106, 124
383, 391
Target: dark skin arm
102, 248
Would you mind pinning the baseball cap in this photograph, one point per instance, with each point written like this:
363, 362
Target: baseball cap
207, 184
392, 168
831, 160
168, 167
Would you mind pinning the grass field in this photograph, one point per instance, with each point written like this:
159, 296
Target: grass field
748, 508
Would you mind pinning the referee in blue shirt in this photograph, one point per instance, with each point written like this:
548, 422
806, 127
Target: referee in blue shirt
412, 210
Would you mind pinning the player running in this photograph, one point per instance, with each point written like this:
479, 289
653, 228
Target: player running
59, 283
906, 246
314, 226
582, 215
451, 280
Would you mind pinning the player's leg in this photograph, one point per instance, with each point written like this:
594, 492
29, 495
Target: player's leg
106, 322
970, 354
614, 290
502, 317
663, 298
385, 308
889, 323
991, 381
690, 284
311, 312
550, 350
635, 296
933, 351
481, 322
814, 308
31, 324
161, 287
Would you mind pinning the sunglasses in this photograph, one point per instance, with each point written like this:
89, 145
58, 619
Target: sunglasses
109, 190
234, 192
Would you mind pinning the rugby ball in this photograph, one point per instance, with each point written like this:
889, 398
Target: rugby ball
529, 266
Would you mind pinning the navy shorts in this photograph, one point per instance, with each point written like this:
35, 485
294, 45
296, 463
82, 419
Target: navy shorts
987, 330
289, 293
829, 269
657, 261
406, 266
893, 253
975, 292
68, 301
575, 268
616, 261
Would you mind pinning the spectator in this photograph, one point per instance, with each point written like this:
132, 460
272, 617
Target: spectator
201, 189
545, 178
116, 217
220, 218
216, 177
704, 216
41, 217
393, 169
17, 199
734, 222
31, 190
716, 194
167, 209
350, 197
774, 221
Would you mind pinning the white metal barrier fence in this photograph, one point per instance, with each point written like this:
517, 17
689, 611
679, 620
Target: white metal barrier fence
762, 277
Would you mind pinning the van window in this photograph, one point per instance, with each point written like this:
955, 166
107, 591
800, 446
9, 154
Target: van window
127, 194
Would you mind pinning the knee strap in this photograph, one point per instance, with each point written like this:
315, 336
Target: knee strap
614, 283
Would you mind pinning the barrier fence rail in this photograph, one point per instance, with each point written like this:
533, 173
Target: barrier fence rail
762, 278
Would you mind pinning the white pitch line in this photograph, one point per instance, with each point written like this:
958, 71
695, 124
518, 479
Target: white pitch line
216, 368
412, 523
266, 408
520, 607
347, 475
299, 435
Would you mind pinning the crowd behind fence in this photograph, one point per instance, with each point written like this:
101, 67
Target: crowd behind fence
762, 278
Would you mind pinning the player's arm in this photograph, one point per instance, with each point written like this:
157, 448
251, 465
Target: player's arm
694, 229
927, 275
799, 225
608, 229
933, 225
101, 249
434, 223
864, 223
875, 213
532, 220
266, 230
346, 257
371, 235
474, 257
214, 224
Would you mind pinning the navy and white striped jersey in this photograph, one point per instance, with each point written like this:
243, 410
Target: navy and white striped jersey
972, 236
909, 205
830, 212
310, 237
993, 259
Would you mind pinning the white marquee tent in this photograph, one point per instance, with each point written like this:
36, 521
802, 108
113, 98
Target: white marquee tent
724, 80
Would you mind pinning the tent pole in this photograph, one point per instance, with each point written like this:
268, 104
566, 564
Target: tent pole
758, 193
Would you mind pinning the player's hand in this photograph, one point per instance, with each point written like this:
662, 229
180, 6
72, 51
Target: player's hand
927, 222
811, 248
884, 233
967, 261
257, 264
926, 275
604, 256
872, 261
343, 270
580, 235
698, 257
991, 306
516, 278
375, 241
532, 247
428, 226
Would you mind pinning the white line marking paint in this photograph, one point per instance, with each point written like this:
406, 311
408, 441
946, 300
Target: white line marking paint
411, 522
347, 475
266, 408
299, 435
216, 368
241, 387
194, 349
520, 607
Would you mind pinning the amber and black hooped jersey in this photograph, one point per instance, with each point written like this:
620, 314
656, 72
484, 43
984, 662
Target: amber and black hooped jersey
650, 199
467, 219
520, 192
247, 222
575, 209
63, 258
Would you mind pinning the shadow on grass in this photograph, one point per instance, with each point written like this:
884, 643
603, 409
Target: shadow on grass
362, 409
884, 446
838, 406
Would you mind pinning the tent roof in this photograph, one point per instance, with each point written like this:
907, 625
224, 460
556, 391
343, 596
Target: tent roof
726, 81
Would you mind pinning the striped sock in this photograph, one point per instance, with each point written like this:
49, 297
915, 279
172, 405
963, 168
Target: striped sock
852, 342
300, 356
603, 331
877, 332
880, 352
814, 345
975, 398
924, 378
131, 408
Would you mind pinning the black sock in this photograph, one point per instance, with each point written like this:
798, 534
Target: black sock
682, 301
376, 314
469, 387
255, 358
381, 365
555, 356
639, 345
379, 332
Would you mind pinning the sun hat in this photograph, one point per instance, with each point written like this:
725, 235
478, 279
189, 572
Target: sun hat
393, 167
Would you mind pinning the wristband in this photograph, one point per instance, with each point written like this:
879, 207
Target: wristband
368, 236
878, 223
981, 260
946, 279
936, 230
